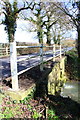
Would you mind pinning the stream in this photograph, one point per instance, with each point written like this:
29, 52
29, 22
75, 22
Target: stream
71, 89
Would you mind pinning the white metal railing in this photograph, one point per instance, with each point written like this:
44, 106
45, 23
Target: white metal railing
13, 60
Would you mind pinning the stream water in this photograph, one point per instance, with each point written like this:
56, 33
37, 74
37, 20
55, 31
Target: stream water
72, 89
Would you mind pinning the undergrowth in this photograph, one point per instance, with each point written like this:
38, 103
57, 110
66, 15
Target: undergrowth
26, 108
72, 65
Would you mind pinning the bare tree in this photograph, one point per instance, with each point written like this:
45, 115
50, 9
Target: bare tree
58, 22
61, 28
43, 17
51, 19
37, 20
72, 9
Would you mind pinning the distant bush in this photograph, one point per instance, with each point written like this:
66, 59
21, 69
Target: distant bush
68, 43
23, 51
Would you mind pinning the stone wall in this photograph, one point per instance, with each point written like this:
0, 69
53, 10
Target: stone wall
49, 82
57, 77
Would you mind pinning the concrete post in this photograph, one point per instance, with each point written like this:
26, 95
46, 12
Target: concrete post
54, 53
41, 57
13, 62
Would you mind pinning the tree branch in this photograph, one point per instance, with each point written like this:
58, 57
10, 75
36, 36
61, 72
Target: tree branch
52, 24
25, 8
67, 13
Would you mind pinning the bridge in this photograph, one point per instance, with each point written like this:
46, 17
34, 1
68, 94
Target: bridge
14, 65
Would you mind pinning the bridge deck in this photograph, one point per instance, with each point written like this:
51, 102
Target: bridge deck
21, 66
27, 79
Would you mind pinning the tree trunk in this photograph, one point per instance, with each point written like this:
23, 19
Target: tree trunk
48, 37
40, 36
78, 42
78, 50
11, 37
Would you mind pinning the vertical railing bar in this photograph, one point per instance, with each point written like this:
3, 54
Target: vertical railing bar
60, 51
53, 52
13, 62
41, 57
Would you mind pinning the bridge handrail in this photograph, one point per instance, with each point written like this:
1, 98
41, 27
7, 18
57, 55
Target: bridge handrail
41, 46
23, 59
14, 60
35, 46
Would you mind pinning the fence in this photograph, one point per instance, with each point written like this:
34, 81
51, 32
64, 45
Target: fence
13, 60
4, 51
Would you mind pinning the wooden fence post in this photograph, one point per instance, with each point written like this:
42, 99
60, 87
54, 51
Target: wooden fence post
53, 52
41, 57
60, 51
6, 50
13, 62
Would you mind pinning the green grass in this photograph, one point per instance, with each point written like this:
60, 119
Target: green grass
11, 109
52, 115
7, 109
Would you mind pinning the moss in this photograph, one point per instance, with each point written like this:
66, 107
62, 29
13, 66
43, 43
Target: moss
57, 77
21, 94
50, 82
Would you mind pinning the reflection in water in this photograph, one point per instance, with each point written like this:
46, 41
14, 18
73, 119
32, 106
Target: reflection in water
68, 86
71, 89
